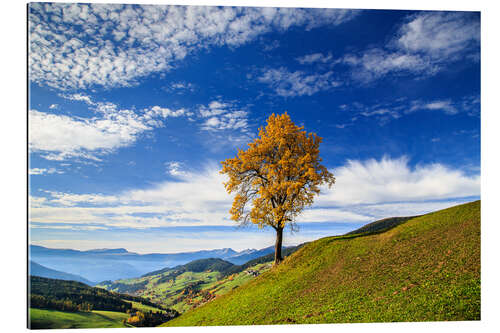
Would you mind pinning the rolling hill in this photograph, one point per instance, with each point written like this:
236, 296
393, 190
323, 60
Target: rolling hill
424, 269
200, 265
70, 304
190, 285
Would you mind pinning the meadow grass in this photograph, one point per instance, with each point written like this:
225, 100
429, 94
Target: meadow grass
426, 269
41, 318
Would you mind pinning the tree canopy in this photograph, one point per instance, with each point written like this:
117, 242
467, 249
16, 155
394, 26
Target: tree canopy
276, 177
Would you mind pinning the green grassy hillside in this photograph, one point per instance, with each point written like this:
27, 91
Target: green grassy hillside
426, 269
42, 318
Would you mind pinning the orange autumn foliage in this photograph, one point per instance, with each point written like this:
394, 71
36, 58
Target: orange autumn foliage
277, 176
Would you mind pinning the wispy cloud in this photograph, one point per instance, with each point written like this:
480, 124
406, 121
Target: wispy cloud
386, 111
375, 63
79, 97
425, 43
180, 87
444, 105
381, 112
43, 171
70, 199
315, 58
297, 83
175, 168
440, 35
219, 116
81, 45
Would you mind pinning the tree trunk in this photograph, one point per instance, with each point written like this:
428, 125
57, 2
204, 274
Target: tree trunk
277, 246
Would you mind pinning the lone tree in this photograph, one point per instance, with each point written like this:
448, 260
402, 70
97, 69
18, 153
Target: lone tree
276, 177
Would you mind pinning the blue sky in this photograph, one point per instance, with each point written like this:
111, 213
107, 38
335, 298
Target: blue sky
132, 108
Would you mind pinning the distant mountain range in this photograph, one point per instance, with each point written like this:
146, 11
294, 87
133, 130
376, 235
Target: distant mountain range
113, 264
42, 271
247, 255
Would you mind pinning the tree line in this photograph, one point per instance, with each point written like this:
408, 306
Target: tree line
72, 296
150, 318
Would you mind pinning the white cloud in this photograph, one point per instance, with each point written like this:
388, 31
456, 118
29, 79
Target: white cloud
60, 137
441, 35
68, 227
68, 136
393, 180
376, 63
174, 168
156, 111
332, 215
315, 58
36, 201
79, 97
180, 87
53, 106
364, 191
81, 45
223, 116
381, 112
298, 83
271, 46
425, 44
69, 199
214, 108
444, 105
42, 171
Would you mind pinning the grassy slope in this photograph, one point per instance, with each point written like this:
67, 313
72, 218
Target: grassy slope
426, 269
167, 293
57, 319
